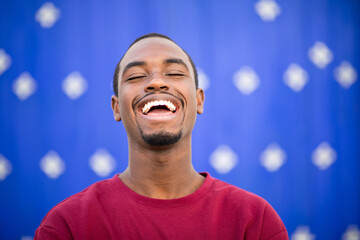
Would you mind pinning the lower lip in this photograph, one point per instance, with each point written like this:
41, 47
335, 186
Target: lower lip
163, 116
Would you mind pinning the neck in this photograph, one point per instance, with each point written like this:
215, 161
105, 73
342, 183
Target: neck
162, 173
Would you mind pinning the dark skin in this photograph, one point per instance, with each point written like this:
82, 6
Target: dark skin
157, 69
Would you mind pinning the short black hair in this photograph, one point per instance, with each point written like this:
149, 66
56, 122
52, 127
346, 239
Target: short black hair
149, 35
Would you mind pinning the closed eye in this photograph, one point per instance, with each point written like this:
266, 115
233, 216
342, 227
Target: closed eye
175, 74
134, 77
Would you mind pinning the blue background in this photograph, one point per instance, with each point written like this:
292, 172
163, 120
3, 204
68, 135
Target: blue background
221, 36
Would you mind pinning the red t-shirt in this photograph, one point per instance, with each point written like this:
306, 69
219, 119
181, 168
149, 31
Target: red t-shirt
110, 210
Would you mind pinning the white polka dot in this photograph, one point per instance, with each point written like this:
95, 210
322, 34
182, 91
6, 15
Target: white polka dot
5, 168
246, 80
223, 159
5, 61
74, 85
268, 10
295, 77
324, 156
102, 163
320, 55
273, 157
24, 86
52, 165
27, 238
204, 82
302, 233
345, 74
352, 233
47, 15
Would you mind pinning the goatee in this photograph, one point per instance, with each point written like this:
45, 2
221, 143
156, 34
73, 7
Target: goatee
161, 138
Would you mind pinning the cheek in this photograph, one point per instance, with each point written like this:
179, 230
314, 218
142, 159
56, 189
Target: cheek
192, 102
125, 105
191, 92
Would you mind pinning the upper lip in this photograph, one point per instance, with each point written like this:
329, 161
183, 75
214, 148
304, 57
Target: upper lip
165, 96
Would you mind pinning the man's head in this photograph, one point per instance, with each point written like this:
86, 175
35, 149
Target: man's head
155, 94
149, 35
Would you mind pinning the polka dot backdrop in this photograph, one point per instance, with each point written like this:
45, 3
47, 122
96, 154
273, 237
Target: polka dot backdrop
281, 113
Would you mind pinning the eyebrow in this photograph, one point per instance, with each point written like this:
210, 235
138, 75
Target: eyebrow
133, 64
175, 60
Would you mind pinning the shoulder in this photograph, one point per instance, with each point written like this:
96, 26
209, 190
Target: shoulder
79, 203
62, 219
94, 192
237, 196
260, 216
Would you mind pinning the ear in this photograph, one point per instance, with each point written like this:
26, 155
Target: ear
200, 97
115, 107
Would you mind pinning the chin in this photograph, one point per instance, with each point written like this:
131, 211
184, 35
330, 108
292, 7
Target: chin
161, 138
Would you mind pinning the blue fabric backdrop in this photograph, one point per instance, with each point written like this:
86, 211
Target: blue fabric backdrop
281, 113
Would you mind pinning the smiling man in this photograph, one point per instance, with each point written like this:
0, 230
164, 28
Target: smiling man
160, 195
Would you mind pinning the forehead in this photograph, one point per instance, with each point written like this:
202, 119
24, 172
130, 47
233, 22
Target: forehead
152, 49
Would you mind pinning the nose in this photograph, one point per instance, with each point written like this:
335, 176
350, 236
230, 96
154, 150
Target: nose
156, 83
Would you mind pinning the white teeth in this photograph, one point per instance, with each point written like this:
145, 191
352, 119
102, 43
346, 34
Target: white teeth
151, 104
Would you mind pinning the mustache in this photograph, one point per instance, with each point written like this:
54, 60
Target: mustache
160, 92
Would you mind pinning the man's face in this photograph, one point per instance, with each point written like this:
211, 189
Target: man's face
157, 99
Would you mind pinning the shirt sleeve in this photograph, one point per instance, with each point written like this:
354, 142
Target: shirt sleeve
280, 236
54, 226
272, 227
46, 232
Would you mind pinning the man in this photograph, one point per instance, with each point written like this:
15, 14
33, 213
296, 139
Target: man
160, 195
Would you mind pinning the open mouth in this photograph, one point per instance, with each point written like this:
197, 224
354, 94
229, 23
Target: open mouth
158, 107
